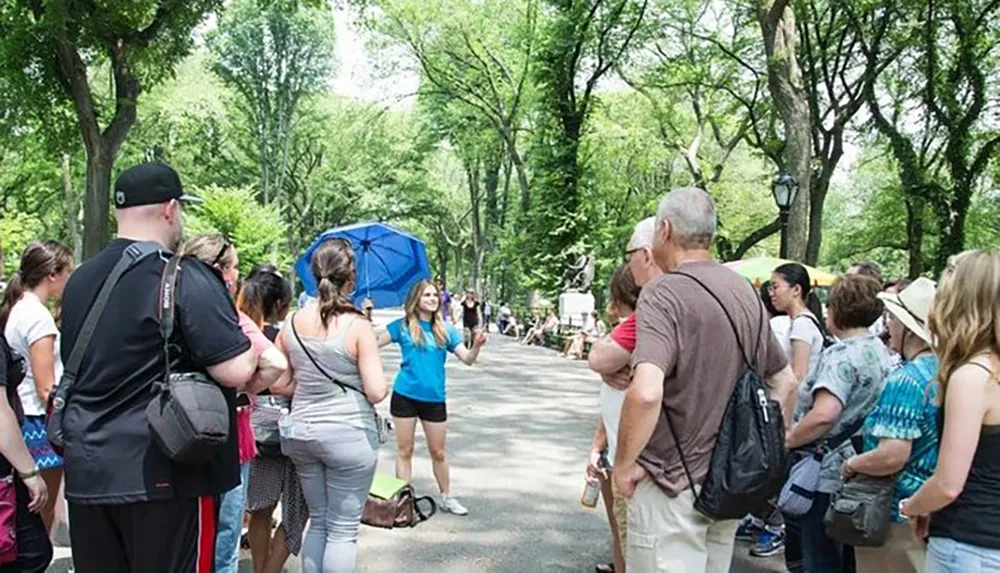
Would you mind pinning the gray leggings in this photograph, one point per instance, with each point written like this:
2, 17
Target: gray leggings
336, 470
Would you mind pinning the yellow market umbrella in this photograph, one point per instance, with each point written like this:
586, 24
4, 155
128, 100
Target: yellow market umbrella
758, 270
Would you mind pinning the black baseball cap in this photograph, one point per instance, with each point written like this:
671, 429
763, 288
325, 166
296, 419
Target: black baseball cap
149, 184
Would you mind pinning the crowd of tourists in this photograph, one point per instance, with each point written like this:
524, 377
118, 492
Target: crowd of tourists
886, 398
296, 418
889, 393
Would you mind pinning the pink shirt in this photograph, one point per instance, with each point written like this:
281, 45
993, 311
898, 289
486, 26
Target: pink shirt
259, 343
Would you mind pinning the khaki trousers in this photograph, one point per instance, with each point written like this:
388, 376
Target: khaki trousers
900, 554
668, 535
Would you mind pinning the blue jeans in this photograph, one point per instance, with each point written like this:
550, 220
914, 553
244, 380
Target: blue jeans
227, 539
336, 465
949, 556
819, 552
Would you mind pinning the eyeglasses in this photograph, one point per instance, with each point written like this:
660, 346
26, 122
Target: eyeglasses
628, 254
222, 253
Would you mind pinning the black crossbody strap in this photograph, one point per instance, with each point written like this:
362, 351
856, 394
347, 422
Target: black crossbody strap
322, 371
750, 364
168, 305
132, 254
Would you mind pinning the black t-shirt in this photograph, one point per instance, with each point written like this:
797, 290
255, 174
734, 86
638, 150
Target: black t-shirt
470, 314
12, 372
110, 455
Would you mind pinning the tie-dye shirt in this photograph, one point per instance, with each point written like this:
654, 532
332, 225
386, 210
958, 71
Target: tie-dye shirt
907, 410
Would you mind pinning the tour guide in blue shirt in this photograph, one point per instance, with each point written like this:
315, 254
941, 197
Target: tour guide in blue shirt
418, 392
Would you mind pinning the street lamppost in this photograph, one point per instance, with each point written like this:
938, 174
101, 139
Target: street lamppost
784, 188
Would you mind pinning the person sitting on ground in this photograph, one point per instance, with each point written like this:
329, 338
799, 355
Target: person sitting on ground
512, 326
539, 333
592, 329
503, 317
901, 434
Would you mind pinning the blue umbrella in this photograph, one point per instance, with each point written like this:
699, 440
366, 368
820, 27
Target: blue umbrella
389, 262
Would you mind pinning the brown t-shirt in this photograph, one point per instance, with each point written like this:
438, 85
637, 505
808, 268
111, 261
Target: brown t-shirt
684, 332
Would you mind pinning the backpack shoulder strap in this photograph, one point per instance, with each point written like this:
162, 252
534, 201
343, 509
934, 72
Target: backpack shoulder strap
750, 361
133, 254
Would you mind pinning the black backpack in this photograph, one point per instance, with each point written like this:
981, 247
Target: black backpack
747, 467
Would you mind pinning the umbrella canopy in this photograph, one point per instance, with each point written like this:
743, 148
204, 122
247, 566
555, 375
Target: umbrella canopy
389, 262
758, 270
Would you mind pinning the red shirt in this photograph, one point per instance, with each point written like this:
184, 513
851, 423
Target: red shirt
624, 333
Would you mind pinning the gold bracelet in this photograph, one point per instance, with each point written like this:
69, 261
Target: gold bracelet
28, 475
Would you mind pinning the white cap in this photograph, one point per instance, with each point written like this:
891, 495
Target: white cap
642, 236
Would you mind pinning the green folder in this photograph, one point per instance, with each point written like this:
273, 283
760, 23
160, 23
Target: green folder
385, 486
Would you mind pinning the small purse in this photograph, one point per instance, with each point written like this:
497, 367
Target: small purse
859, 514
8, 520
264, 418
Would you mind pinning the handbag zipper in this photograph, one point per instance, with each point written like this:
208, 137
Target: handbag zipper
762, 402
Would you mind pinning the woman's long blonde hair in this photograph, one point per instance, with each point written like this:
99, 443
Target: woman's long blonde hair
965, 318
413, 316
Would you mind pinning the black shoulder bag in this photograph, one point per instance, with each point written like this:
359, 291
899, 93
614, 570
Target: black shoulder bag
747, 466
189, 418
57, 402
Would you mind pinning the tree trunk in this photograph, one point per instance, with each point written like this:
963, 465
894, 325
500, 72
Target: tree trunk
915, 236
817, 199
784, 78
72, 209
96, 210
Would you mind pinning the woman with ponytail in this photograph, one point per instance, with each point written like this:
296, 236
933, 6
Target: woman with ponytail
331, 433
419, 391
31, 331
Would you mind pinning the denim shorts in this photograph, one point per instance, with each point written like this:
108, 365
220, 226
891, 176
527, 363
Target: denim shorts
949, 556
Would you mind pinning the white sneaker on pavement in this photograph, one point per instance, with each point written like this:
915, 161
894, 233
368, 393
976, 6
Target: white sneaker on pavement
451, 505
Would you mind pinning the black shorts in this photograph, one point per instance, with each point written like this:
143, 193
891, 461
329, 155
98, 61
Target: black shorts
402, 407
175, 536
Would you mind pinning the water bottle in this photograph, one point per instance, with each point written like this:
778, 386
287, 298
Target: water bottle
590, 493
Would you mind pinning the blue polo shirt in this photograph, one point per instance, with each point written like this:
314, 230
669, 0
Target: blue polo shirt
421, 375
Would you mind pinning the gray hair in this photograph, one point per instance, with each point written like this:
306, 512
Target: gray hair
691, 213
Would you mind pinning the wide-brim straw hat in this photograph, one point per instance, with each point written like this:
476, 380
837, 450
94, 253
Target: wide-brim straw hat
912, 306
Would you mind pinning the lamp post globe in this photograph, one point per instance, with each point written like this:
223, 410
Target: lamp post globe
784, 188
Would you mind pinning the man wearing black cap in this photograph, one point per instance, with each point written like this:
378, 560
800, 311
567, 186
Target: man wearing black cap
131, 508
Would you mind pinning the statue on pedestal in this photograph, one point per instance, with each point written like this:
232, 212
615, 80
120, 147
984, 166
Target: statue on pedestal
580, 275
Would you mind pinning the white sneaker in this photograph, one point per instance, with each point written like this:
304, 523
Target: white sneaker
451, 505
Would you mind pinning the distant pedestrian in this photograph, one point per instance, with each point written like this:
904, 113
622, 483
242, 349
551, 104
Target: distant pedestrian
487, 315
686, 363
472, 319
419, 389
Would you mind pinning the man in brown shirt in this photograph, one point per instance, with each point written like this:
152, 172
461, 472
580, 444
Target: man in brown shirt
686, 361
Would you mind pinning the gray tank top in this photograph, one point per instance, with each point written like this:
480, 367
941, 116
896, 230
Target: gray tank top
317, 399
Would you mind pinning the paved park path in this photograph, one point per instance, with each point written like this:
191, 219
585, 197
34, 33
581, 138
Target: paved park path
521, 421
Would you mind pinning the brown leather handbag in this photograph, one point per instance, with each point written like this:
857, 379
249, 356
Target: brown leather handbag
401, 509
